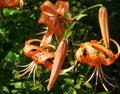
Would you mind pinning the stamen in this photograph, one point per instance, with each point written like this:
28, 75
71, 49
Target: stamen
26, 70
62, 71
103, 76
32, 69
34, 72
24, 65
31, 64
100, 76
96, 82
90, 77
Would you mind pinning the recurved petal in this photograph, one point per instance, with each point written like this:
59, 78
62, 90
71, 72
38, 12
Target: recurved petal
42, 56
29, 48
45, 19
62, 7
49, 33
48, 8
111, 57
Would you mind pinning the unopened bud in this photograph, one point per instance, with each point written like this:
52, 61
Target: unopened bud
58, 62
103, 21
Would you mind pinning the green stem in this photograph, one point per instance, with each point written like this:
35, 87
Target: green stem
69, 30
91, 7
83, 11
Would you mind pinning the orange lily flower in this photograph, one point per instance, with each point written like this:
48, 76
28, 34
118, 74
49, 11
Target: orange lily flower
39, 54
94, 54
51, 16
11, 3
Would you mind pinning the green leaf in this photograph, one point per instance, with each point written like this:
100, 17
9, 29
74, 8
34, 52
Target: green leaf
18, 84
11, 57
40, 86
88, 85
78, 85
69, 80
5, 89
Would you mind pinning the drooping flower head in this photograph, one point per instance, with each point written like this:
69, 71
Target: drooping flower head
96, 54
40, 55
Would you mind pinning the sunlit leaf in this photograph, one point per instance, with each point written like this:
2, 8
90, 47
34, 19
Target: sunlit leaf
18, 84
88, 85
5, 89
69, 80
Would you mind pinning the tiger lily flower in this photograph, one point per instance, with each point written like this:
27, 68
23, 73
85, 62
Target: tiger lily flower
94, 54
39, 55
11, 3
51, 16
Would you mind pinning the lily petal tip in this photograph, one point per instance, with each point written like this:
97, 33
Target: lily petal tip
48, 88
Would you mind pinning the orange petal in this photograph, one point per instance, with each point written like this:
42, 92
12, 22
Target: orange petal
45, 19
62, 7
48, 35
30, 49
8, 3
48, 8
111, 56
48, 64
21, 4
58, 61
103, 21
94, 54
42, 56
59, 32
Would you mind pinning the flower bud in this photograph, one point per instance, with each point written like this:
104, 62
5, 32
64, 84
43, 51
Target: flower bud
103, 21
58, 62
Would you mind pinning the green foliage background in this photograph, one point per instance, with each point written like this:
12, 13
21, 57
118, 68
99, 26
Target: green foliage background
19, 26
